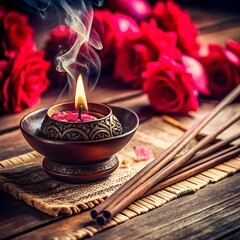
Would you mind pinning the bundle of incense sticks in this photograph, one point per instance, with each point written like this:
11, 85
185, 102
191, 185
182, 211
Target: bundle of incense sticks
166, 169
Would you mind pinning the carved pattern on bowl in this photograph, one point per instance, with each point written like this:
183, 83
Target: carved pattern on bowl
80, 170
106, 127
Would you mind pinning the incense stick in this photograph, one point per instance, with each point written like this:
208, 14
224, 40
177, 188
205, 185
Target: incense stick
213, 148
134, 193
194, 169
167, 156
203, 165
203, 160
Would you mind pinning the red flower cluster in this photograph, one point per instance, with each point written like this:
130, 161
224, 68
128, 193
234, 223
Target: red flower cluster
156, 48
161, 54
22, 68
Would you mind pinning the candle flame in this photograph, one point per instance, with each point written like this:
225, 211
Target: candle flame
80, 96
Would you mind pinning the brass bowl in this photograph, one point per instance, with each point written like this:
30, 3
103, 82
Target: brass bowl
78, 152
106, 125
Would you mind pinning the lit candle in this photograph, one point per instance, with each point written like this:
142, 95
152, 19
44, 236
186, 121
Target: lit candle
78, 114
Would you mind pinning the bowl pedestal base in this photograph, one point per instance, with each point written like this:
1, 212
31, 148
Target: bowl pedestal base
84, 173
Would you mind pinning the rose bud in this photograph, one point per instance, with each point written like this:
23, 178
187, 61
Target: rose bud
199, 75
58, 40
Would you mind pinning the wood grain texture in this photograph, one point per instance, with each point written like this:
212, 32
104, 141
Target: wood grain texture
201, 215
12, 143
205, 107
210, 211
16, 217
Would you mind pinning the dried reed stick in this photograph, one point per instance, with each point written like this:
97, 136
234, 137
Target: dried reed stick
167, 156
174, 122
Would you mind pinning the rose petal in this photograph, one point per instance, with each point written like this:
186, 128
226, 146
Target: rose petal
198, 73
234, 47
142, 153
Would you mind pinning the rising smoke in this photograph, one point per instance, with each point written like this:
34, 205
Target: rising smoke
82, 57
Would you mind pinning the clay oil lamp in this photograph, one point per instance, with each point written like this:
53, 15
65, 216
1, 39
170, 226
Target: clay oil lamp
78, 122
79, 140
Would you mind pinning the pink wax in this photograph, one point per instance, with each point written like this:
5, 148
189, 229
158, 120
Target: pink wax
72, 116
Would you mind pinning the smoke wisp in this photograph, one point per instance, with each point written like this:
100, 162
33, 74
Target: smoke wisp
82, 57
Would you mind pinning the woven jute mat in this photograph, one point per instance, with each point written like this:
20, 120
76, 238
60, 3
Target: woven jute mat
22, 177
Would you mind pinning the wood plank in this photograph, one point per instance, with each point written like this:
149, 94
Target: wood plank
13, 144
205, 107
231, 236
223, 222
192, 209
170, 220
198, 224
17, 217
208, 203
220, 25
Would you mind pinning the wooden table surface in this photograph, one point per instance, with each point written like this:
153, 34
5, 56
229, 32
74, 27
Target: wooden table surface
211, 213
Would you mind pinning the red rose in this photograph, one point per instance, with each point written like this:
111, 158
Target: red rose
17, 33
223, 70
111, 29
234, 47
171, 17
140, 48
25, 83
169, 87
